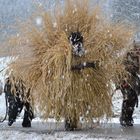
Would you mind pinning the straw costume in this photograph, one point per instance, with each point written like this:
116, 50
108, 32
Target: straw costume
70, 60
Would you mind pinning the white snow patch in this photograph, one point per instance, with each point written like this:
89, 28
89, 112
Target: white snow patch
15, 135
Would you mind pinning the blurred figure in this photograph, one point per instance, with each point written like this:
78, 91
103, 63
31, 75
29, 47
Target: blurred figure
130, 100
132, 65
130, 87
16, 102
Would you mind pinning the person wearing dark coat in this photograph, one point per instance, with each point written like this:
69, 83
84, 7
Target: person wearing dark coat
16, 103
130, 89
130, 101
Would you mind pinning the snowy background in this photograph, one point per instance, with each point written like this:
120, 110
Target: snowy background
12, 11
116, 10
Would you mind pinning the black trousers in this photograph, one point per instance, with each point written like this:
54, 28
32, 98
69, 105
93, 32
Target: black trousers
28, 115
15, 106
127, 112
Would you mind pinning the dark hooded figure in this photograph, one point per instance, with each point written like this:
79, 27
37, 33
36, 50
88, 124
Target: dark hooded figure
132, 66
16, 103
130, 100
130, 88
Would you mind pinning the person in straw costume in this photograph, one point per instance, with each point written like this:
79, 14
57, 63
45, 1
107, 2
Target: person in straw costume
70, 61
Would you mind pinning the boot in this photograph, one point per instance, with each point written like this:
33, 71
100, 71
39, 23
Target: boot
129, 123
122, 122
28, 116
70, 125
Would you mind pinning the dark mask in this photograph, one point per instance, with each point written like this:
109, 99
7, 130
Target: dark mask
76, 40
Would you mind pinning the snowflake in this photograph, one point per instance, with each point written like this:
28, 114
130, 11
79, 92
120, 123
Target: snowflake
49, 71
110, 35
54, 24
63, 77
17, 34
39, 21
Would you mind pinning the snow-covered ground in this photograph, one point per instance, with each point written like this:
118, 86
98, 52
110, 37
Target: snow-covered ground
11, 135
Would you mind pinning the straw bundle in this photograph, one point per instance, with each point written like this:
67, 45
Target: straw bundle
18, 88
46, 61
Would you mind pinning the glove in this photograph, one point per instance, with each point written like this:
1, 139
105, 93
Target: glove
90, 65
